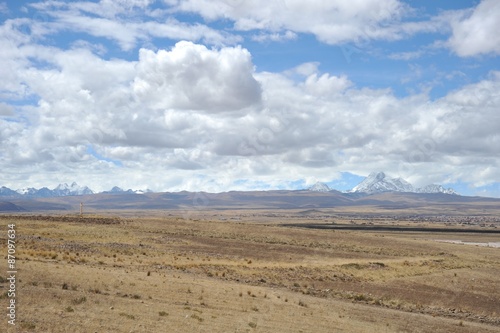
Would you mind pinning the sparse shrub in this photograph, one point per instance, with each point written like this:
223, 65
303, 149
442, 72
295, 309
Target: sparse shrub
195, 316
352, 265
126, 315
78, 301
302, 304
65, 286
28, 325
163, 314
252, 324
69, 309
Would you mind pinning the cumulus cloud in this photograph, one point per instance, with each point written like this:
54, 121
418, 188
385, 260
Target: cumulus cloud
161, 115
476, 32
193, 77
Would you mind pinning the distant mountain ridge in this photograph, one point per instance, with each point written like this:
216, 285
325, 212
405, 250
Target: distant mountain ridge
378, 182
61, 190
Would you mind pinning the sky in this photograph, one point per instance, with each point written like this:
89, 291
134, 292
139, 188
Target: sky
225, 95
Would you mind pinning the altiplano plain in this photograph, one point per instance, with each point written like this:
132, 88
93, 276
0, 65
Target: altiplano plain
244, 271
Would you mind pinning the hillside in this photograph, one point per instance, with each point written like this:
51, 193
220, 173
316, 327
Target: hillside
419, 203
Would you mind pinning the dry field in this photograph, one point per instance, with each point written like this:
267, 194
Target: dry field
241, 273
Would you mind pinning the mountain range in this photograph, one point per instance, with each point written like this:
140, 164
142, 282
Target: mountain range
376, 182
61, 190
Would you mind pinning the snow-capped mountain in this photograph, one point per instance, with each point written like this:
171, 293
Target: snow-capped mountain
434, 188
119, 190
378, 182
319, 187
27, 191
44, 192
61, 190
73, 189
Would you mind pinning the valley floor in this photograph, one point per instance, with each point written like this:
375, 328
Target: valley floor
171, 274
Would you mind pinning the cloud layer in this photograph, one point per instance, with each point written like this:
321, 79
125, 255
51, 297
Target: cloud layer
198, 115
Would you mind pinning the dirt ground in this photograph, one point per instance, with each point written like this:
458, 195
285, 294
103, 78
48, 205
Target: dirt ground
235, 272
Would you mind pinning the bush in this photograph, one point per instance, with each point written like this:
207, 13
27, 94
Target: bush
78, 301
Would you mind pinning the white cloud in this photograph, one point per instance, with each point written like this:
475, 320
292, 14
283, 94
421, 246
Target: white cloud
193, 77
476, 32
332, 22
200, 118
126, 22
275, 37
299, 128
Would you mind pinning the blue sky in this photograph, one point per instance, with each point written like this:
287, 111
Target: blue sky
238, 95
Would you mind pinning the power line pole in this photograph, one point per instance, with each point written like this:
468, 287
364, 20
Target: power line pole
81, 209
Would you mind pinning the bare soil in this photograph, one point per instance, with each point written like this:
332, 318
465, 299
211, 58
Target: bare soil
239, 272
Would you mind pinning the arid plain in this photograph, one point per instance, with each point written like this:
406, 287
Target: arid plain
245, 271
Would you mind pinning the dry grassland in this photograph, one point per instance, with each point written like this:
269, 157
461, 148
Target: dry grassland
169, 274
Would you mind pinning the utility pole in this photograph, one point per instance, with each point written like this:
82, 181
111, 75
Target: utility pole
81, 209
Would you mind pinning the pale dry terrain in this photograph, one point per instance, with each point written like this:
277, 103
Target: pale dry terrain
240, 272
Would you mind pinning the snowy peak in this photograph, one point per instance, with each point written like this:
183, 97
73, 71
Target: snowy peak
44, 192
119, 190
434, 188
73, 189
378, 182
319, 187
61, 190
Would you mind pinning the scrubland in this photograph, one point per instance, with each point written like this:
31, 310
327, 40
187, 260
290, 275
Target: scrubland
167, 273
